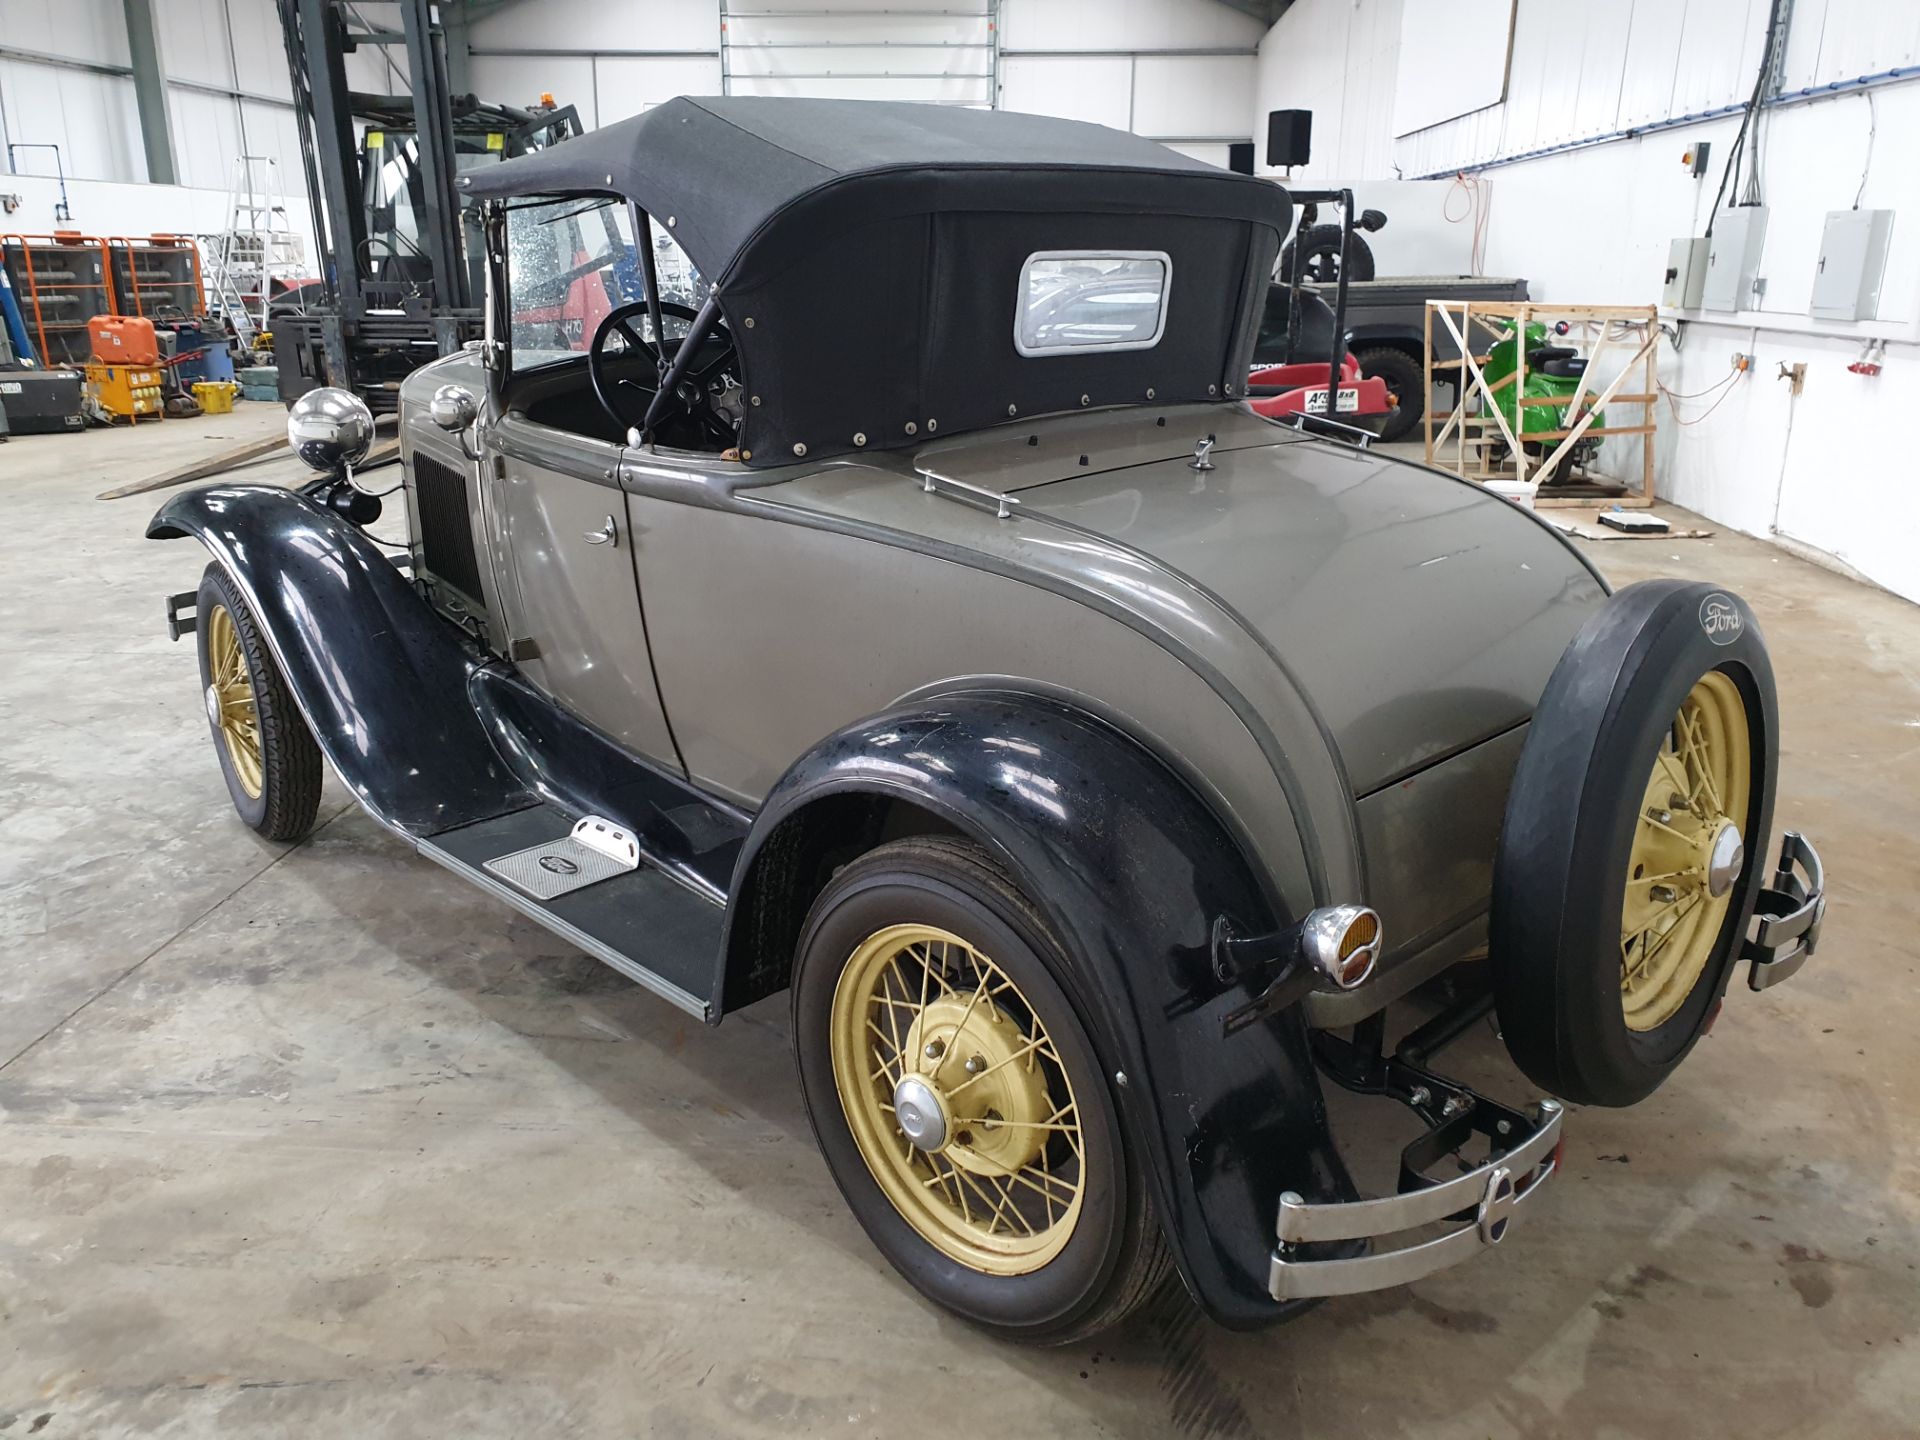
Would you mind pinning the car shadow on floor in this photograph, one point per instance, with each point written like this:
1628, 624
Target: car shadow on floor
1525, 1339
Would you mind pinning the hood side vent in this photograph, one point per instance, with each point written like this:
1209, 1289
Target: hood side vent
446, 526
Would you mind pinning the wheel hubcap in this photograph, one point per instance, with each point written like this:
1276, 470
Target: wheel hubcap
921, 1112
230, 703
1725, 855
1687, 853
957, 1099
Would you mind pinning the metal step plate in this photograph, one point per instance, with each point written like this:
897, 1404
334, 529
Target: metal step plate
595, 850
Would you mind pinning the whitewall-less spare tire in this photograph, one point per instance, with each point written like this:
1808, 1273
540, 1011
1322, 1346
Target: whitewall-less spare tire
1634, 841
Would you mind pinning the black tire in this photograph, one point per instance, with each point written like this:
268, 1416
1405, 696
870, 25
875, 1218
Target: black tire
1116, 1257
1406, 382
1561, 871
1319, 249
290, 762
1569, 469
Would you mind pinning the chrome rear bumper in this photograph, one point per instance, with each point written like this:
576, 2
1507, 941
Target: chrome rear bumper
1788, 913
1483, 1203
1315, 1255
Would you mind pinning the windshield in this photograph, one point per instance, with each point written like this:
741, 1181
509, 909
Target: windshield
570, 263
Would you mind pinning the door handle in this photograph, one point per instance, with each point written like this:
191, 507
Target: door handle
605, 535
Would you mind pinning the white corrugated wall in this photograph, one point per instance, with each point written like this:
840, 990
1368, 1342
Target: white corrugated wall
1178, 70
1828, 468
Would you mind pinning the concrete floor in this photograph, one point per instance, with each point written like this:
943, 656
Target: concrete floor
319, 1141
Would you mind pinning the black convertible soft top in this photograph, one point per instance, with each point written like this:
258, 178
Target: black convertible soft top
744, 181
868, 257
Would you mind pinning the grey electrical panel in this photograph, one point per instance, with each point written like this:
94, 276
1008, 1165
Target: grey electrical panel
1733, 258
1686, 273
1853, 257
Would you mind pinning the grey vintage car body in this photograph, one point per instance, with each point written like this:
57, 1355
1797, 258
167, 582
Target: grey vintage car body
1339, 649
1191, 676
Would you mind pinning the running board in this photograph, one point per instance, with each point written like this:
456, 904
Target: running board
652, 928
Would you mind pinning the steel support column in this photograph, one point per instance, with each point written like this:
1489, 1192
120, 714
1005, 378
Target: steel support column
316, 50
456, 26
432, 107
150, 91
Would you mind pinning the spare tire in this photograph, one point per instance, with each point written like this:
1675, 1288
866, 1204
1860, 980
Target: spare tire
1319, 250
1634, 841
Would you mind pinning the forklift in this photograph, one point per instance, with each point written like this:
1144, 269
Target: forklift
399, 258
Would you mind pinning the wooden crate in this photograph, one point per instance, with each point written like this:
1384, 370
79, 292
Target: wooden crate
1483, 444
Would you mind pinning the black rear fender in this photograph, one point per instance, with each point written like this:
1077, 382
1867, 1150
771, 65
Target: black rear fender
1131, 869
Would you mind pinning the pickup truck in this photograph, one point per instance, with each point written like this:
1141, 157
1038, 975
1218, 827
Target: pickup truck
1386, 331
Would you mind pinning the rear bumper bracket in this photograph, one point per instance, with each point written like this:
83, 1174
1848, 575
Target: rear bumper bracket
182, 618
1788, 913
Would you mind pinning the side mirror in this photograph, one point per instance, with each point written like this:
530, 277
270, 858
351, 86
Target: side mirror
453, 408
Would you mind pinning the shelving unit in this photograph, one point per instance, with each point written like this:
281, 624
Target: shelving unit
60, 281
157, 276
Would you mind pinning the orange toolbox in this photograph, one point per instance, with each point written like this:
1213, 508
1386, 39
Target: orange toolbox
123, 340
123, 392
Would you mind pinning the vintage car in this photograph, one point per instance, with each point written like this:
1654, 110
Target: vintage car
925, 625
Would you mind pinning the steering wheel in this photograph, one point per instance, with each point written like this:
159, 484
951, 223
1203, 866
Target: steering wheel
693, 395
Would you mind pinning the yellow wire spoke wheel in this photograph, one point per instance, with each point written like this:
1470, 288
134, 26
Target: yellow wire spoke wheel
957, 1099
230, 701
1687, 852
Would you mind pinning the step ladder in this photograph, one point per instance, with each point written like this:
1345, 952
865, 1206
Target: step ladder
257, 245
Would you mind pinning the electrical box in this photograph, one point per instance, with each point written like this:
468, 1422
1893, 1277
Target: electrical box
1686, 273
1853, 257
1733, 258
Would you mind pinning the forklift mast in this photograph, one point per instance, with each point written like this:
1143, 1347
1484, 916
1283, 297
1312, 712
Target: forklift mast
391, 297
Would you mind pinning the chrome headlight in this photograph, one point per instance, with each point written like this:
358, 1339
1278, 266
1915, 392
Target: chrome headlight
330, 428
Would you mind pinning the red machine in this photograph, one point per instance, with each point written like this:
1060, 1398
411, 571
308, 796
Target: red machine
123, 340
1301, 389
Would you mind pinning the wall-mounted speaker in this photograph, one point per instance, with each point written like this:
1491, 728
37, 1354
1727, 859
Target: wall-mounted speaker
1289, 137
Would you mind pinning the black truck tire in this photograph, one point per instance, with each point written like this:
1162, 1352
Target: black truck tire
1406, 383
1319, 250
1605, 790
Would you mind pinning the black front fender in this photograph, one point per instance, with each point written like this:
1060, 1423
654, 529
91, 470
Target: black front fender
1131, 869
382, 680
